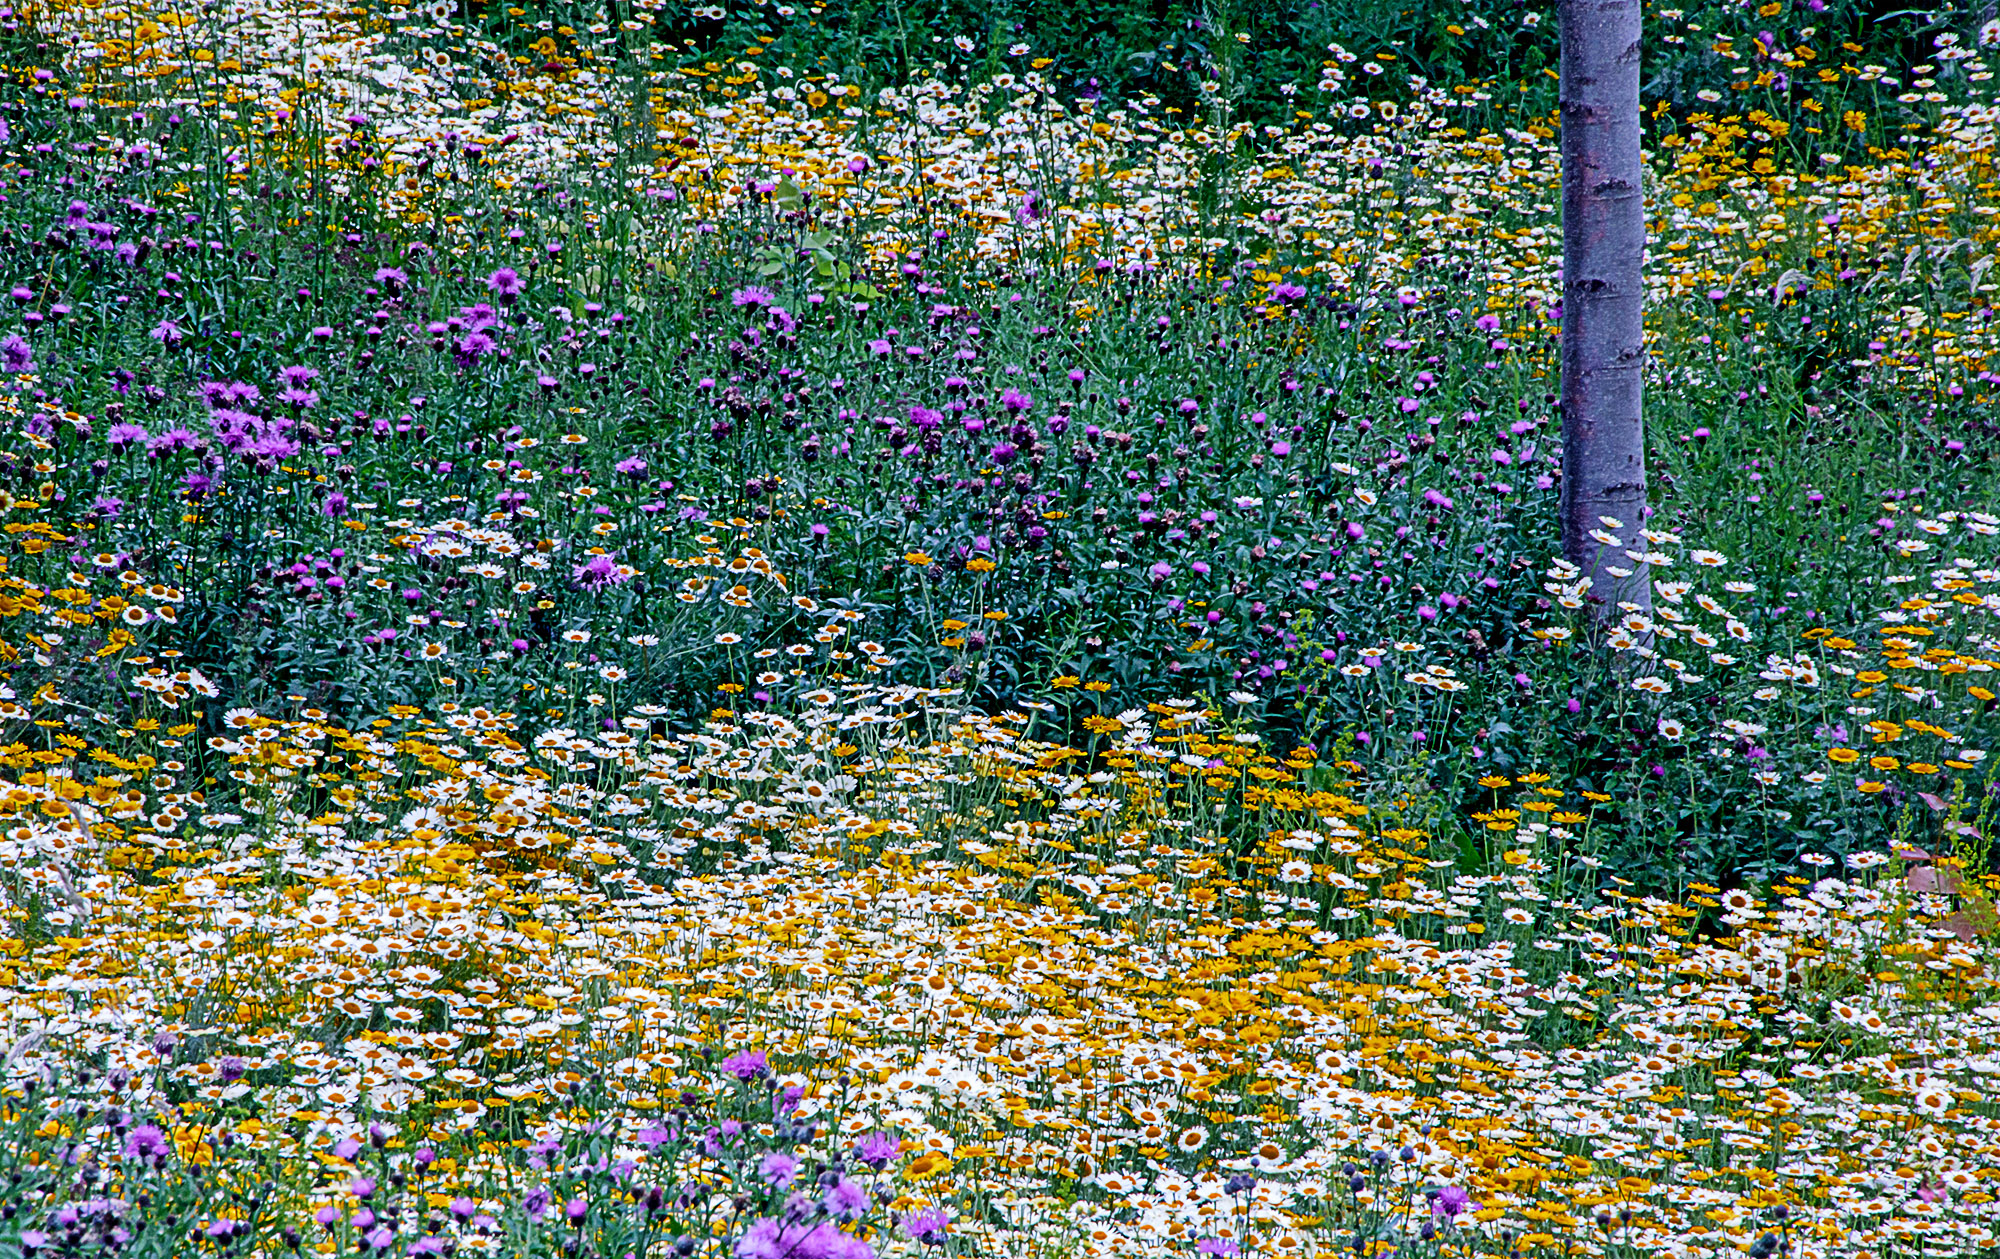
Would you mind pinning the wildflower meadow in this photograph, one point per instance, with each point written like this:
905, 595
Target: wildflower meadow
818, 631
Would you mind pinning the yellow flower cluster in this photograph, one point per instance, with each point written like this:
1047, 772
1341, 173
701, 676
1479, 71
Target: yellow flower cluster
1057, 980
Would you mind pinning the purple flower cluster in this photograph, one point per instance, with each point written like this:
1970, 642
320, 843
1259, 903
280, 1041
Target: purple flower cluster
748, 1065
776, 1238
242, 427
473, 334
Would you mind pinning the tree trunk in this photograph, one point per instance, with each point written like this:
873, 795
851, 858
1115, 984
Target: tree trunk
1603, 329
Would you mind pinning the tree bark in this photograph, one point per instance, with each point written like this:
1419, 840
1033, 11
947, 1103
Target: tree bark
1603, 327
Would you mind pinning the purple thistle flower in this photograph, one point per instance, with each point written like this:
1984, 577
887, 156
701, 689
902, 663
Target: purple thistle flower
506, 282
778, 1170
174, 439
847, 1200
747, 1065
123, 436
145, 1141
877, 1150
1451, 1201
927, 1226
168, 333
473, 345
599, 571
754, 295
273, 446
16, 354
776, 1239
770, 1239
225, 394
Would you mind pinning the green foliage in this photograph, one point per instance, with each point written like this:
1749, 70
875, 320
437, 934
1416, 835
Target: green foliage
1266, 58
